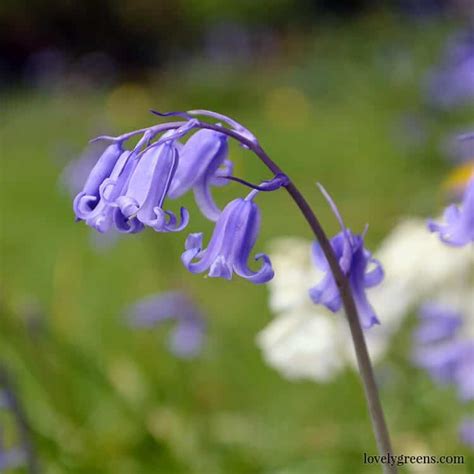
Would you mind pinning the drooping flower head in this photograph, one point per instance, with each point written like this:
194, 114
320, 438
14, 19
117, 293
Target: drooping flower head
354, 260
126, 189
229, 249
188, 334
458, 228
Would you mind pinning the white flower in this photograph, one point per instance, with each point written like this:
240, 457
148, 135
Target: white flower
308, 341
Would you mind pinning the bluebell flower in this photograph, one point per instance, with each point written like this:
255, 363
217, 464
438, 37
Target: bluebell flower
458, 229
449, 363
88, 199
101, 217
451, 83
200, 162
228, 251
355, 262
188, 334
466, 432
142, 201
447, 357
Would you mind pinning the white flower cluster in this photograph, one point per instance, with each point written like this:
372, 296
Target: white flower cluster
307, 341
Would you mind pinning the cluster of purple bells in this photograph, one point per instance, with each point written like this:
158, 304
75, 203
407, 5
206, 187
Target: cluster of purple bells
127, 190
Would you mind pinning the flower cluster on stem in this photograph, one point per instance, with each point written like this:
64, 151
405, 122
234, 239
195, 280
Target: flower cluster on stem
128, 189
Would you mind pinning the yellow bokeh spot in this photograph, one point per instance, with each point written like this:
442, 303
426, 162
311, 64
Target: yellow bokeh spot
287, 107
127, 105
459, 177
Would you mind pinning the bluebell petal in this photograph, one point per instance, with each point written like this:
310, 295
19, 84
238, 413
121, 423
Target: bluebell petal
145, 189
264, 274
220, 268
327, 293
126, 225
200, 158
230, 246
88, 198
101, 218
199, 163
220, 242
205, 201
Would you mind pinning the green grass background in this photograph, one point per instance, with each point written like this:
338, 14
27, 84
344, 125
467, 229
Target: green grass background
102, 398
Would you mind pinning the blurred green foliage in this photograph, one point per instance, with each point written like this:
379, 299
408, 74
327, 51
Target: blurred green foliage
102, 398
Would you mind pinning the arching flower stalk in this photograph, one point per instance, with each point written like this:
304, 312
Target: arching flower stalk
129, 190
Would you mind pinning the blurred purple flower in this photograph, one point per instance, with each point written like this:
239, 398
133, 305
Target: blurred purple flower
456, 149
187, 337
451, 83
231, 43
21, 453
466, 432
355, 261
46, 69
448, 358
95, 69
437, 323
200, 161
228, 251
51, 70
10, 458
421, 9
458, 229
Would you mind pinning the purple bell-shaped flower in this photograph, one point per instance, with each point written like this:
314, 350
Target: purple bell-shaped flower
200, 163
354, 261
142, 201
228, 251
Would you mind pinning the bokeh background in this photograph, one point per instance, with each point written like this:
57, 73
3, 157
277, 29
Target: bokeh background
337, 92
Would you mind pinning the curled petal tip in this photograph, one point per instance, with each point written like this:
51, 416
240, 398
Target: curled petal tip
166, 221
